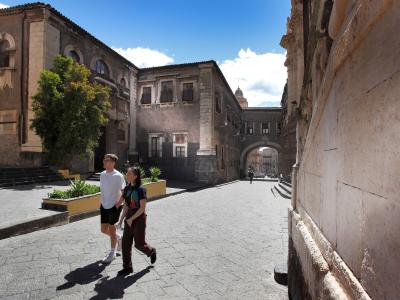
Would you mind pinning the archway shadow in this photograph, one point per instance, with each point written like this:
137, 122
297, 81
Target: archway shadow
114, 288
84, 275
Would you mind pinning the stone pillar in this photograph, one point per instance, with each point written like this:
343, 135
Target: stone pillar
206, 110
206, 164
132, 152
44, 44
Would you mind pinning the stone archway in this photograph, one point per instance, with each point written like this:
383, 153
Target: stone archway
249, 148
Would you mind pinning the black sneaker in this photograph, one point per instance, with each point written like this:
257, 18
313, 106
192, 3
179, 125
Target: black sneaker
125, 271
153, 256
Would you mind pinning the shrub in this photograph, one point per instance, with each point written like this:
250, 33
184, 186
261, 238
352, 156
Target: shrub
154, 174
77, 188
142, 172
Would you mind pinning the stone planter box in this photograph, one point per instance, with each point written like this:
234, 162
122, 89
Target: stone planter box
156, 189
89, 205
74, 206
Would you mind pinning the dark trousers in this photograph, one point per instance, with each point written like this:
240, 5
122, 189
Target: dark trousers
137, 233
251, 179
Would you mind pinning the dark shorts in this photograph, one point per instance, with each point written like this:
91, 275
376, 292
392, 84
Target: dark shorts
109, 216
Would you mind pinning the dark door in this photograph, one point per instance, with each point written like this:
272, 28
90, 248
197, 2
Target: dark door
100, 151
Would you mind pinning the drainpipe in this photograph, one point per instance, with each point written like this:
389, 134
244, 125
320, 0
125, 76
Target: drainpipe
22, 90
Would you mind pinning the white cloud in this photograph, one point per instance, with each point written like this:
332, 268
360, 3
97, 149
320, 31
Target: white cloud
3, 5
261, 77
145, 57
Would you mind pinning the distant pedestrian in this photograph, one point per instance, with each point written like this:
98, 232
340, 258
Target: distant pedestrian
134, 212
250, 173
112, 184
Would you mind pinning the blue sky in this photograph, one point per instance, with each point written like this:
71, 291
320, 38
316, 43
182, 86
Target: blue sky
237, 34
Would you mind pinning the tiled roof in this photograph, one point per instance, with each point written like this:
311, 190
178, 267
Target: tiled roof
34, 5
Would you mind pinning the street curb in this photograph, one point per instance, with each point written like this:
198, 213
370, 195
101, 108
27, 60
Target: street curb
34, 225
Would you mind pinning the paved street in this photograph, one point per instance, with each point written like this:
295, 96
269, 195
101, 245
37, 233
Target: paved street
216, 243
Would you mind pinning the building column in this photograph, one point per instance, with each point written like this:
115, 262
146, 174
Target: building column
206, 164
44, 44
132, 151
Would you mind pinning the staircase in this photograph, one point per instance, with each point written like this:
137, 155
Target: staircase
283, 188
21, 176
94, 177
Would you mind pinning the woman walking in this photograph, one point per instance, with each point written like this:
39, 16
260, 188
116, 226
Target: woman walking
134, 198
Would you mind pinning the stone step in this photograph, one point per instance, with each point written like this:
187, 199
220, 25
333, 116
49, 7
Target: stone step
22, 176
287, 189
282, 192
288, 184
94, 177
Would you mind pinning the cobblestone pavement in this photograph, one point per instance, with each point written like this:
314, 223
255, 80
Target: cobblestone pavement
217, 243
20, 204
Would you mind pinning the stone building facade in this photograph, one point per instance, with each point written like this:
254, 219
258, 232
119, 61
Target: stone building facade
183, 118
188, 122
30, 36
343, 81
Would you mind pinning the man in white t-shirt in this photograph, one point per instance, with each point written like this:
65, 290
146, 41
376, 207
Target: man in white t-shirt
112, 184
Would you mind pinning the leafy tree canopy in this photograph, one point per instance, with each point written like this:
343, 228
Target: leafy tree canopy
69, 109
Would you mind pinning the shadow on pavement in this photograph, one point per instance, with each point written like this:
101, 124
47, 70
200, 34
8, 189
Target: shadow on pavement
114, 288
84, 275
106, 288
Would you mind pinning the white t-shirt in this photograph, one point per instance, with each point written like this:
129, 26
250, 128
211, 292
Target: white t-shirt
111, 184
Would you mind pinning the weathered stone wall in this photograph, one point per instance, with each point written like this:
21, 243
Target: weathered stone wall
346, 199
10, 95
226, 142
167, 119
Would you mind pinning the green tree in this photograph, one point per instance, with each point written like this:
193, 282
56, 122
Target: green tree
69, 110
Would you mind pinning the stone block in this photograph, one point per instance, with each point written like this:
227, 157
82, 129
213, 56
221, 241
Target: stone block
349, 225
381, 244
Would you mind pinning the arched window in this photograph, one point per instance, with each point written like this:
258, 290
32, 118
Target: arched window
75, 56
123, 82
101, 68
4, 54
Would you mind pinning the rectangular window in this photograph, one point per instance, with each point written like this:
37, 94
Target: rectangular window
155, 147
180, 151
278, 128
265, 128
179, 145
249, 128
146, 95
187, 92
166, 92
217, 103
